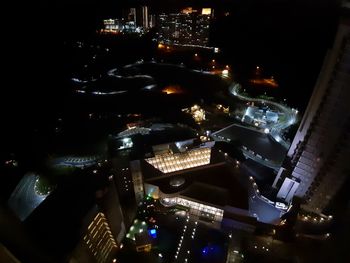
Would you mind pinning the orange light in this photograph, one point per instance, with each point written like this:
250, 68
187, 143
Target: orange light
265, 82
174, 89
187, 10
160, 45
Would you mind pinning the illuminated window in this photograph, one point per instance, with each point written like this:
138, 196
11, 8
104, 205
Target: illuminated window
168, 163
99, 238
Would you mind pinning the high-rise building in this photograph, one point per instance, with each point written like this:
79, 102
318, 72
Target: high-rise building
102, 229
134, 20
132, 15
317, 162
138, 17
185, 28
144, 15
152, 21
202, 27
99, 239
60, 217
113, 25
137, 180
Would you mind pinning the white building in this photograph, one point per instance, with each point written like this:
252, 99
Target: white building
319, 154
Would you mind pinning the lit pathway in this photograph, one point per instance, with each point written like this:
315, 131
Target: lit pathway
184, 249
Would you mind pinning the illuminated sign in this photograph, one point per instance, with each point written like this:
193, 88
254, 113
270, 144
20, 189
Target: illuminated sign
206, 11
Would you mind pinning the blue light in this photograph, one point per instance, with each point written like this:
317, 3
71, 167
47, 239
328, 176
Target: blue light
211, 250
153, 233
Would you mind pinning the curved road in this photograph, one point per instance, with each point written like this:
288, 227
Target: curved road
275, 129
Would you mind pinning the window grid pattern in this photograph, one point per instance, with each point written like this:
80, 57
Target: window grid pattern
168, 163
99, 239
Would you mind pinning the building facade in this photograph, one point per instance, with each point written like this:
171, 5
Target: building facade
318, 158
99, 239
139, 16
186, 28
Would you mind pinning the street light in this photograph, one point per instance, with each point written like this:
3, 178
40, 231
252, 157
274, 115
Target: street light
225, 72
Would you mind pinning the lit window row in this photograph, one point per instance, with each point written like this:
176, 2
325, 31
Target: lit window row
216, 213
168, 163
99, 238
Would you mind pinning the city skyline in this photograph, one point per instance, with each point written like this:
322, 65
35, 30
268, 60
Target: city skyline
151, 131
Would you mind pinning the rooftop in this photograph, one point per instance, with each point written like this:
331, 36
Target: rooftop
218, 183
170, 162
